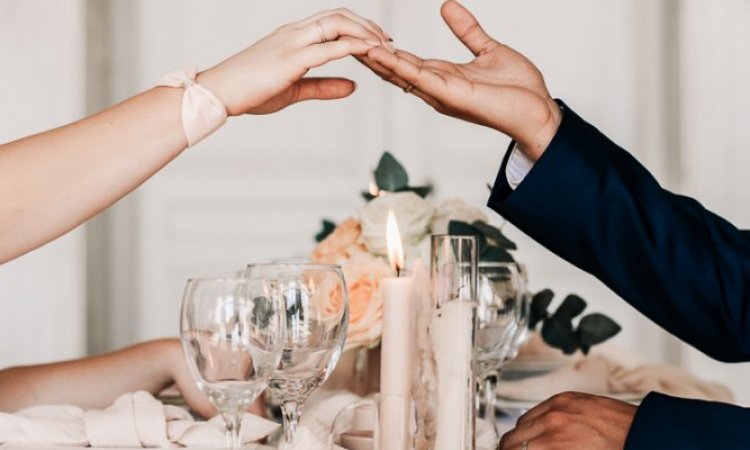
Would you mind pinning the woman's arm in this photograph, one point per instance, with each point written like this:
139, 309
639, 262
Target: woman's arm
54, 181
97, 381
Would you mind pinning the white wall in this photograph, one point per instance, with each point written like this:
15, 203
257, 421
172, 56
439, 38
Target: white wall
257, 189
715, 136
42, 295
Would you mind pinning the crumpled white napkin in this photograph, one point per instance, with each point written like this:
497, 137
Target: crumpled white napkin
312, 436
133, 420
486, 435
324, 406
601, 375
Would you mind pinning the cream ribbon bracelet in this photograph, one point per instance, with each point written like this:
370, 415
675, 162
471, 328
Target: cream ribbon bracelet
202, 112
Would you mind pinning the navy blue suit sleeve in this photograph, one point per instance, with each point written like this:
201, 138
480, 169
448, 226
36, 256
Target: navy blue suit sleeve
687, 269
667, 422
594, 205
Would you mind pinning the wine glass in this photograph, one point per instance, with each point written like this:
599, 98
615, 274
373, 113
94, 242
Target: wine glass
522, 331
231, 335
316, 314
499, 313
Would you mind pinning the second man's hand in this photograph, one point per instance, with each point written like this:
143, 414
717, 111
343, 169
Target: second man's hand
499, 88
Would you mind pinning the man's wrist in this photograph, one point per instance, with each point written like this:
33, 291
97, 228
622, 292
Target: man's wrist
534, 147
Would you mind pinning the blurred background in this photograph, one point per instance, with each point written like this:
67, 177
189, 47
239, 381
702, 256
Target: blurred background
666, 79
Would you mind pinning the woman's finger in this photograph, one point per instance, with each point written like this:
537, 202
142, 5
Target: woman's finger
324, 88
330, 28
317, 55
414, 74
369, 24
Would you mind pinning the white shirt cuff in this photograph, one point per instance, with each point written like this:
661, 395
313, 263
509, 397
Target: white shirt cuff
518, 167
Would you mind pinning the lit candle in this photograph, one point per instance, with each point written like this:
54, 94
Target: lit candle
396, 347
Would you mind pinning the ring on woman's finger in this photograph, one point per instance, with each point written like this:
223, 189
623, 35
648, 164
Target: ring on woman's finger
322, 33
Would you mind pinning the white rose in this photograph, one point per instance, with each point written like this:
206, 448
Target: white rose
413, 215
455, 209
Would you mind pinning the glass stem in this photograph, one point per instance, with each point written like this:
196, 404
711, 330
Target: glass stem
290, 414
490, 384
233, 424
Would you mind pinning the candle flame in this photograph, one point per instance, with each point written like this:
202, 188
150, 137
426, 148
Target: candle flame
395, 247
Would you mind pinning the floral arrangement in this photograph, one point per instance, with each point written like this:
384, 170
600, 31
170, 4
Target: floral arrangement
358, 244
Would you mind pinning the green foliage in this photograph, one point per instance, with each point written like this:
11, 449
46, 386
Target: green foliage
559, 333
558, 330
538, 309
493, 245
328, 227
262, 312
571, 307
594, 329
391, 176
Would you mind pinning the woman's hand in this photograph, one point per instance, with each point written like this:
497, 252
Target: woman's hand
500, 88
268, 76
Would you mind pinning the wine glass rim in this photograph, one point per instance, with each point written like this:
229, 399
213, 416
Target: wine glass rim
218, 279
456, 236
311, 264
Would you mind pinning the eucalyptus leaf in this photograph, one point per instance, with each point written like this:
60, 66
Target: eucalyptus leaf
262, 312
571, 307
493, 253
494, 234
557, 331
458, 228
328, 227
538, 308
390, 175
594, 329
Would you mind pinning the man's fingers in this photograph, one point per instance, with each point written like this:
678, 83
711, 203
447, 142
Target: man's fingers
373, 65
466, 28
564, 400
324, 88
515, 438
317, 55
414, 74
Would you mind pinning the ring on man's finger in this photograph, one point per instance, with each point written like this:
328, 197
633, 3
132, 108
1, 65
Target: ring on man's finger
408, 88
322, 34
525, 445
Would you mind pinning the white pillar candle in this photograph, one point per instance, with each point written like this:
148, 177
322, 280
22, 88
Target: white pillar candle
396, 349
451, 331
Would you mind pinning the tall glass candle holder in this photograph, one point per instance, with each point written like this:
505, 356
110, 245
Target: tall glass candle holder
453, 330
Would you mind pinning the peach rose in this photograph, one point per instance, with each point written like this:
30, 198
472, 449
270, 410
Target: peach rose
340, 244
363, 273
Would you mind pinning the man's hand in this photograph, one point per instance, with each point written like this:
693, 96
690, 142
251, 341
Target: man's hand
572, 421
500, 88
